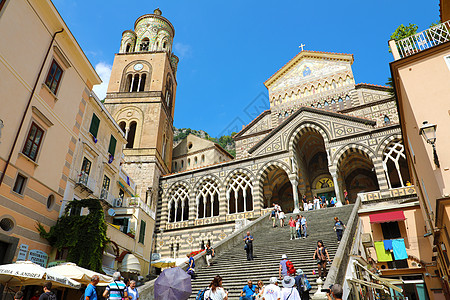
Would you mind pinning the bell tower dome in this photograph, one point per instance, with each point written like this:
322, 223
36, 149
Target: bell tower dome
141, 98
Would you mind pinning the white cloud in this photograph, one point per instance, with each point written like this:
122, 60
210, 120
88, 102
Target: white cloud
182, 50
104, 71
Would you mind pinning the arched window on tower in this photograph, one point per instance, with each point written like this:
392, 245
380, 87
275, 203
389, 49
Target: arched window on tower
168, 94
144, 44
135, 83
131, 135
179, 204
208, 199
142, 82
122, 126
128, 83
164, 146
128, 48
164, 44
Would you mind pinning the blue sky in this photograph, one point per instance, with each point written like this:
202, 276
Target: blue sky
228, 49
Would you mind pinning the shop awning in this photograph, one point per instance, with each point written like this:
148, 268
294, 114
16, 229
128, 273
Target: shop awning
392, 216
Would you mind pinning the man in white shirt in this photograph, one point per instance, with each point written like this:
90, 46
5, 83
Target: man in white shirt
289, 291
272, 291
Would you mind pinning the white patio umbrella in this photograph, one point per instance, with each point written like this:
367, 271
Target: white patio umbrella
27, 273
79, 274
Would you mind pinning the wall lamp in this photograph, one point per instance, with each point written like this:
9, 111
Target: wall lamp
428, 132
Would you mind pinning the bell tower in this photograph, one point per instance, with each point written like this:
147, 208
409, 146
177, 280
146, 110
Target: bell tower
141, 98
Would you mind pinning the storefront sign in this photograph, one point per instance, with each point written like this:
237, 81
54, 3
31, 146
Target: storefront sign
23, 251
38, 257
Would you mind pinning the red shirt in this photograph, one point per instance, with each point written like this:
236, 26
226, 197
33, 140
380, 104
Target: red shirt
292, 223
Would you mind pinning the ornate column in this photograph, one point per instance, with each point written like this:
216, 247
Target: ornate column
294, 181
337, 186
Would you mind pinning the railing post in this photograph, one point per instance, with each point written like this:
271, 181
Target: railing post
394, 49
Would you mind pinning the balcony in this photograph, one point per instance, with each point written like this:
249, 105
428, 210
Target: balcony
134, 202
431, 37
83, 182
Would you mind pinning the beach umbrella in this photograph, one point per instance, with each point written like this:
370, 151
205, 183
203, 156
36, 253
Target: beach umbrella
28, 273
173, 284
79, 274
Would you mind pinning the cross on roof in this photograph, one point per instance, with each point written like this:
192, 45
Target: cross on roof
301, 46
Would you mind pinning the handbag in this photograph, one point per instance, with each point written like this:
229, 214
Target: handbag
245, 247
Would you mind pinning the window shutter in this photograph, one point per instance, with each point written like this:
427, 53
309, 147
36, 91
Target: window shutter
95, 123
142, 232
112, 145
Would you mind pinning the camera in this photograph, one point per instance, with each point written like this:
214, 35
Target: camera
328, 290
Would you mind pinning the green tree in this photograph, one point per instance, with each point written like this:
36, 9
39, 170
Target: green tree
403, 32
84, 236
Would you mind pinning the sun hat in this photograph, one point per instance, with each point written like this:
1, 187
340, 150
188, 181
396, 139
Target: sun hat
288, 282
284, 256
299, 272
273, 280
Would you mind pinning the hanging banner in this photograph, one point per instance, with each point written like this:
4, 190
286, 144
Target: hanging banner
38, 257
23, 251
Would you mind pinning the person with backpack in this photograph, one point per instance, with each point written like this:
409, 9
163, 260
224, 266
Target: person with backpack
209, 254
47, 294
339, 228
286, 267
191, 266
90, 293
321, 255
289, 292
116, 290
273, 216
215, 290
302, 284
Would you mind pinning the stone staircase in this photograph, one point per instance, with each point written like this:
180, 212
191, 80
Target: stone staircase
268, 246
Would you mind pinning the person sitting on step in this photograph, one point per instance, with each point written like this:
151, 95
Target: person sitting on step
248, 292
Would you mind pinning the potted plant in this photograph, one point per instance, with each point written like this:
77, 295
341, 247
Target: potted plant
131, 233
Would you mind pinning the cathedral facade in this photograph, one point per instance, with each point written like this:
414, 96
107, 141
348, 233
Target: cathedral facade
323, 135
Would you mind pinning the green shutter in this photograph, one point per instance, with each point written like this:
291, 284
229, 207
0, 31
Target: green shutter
142, 232
95, 123
112, 145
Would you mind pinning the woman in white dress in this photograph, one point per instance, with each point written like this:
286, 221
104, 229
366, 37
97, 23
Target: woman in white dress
216, 291
260, 289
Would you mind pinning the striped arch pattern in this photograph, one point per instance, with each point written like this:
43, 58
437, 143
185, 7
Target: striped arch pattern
342, 153
296, 135
264, 172
240, 180
207, 186
178, 196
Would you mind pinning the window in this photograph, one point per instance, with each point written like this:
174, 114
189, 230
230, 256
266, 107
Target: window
142, 232
50, 201
123, 223
121, 194
106, 182
112, 146
54, 77
391, 230
62, 254
128, 48
131, 135
76, 209
145, 44
19, 185
86, 166
33, 141
95, 123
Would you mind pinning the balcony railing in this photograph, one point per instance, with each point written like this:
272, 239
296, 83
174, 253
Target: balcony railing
137, 202
83, 178
423, 40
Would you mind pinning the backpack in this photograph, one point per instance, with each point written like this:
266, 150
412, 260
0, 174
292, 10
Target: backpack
290, 267
274, 213
306, 284
201, 294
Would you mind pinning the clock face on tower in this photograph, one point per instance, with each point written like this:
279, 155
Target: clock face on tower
138, 67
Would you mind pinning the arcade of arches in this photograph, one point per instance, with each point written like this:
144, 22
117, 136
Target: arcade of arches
354, 172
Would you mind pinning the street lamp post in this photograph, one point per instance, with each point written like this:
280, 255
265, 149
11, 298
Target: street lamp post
428, 132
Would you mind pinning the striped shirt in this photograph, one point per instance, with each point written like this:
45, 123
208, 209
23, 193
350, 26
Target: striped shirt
116, 290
